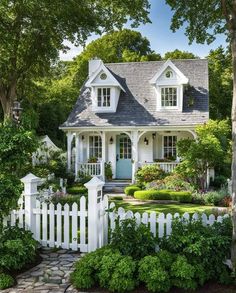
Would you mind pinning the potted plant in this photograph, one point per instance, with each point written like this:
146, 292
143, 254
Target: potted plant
108, 171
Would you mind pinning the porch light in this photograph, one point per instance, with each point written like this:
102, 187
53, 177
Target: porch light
154, 135
82, 137
111, 140
146, 141
16, 111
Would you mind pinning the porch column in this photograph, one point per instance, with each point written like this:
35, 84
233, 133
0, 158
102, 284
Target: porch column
69, 141
134, 137
76, 154
103, 154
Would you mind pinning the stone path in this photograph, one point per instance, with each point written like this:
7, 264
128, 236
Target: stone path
51, 275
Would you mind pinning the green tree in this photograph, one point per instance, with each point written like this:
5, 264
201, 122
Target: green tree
207, 151
16, 147
220, 83
177, 54
32, 33
206, 19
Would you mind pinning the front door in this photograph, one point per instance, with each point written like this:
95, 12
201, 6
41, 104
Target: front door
123, 157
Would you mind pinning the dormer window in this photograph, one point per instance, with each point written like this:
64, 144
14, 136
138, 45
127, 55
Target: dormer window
103, 97
103, 76
169, 97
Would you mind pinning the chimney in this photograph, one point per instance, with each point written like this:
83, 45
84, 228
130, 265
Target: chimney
94, 64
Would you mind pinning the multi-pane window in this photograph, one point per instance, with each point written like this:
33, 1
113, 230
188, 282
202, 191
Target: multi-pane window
169, 97
104, 97
95, 146
170, 147
125, 147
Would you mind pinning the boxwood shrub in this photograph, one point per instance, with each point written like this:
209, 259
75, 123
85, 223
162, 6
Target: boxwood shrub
6, 281
77, 190
164, 194
130, 190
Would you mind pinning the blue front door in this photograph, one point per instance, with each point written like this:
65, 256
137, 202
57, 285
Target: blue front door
123, 157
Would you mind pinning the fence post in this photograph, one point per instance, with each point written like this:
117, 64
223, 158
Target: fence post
30, 193
94, 186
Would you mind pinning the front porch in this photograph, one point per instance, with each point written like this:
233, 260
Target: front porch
89, 150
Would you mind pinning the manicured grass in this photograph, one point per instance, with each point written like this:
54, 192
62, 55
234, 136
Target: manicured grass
164, 208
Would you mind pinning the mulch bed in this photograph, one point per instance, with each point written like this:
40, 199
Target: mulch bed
207, 288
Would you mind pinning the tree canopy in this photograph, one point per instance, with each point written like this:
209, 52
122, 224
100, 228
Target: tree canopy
177, 54
32, 33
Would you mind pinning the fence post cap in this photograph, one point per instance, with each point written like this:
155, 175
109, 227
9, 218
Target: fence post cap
31, 178
95, 182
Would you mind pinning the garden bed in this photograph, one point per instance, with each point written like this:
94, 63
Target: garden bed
207, 288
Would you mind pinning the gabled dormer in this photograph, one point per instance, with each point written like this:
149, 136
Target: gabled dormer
105, 88
169, 82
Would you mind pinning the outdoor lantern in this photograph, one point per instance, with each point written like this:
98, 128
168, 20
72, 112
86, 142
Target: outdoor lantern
146, 141
16, 111
82, 137
154, 135
111, 140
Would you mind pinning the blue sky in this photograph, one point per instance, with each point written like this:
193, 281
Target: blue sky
161, 38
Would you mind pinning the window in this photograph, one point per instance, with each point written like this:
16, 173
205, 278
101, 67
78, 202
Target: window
169, 74
103, 76
170, 147
95, 146
125, 147
104, 97
169, 97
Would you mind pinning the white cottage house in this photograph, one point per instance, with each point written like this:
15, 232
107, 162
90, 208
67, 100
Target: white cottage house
133, 113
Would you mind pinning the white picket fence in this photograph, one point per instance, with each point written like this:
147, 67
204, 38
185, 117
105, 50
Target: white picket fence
160, 224
85, 226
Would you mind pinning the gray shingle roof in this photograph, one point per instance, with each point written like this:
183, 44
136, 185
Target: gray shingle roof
137, 106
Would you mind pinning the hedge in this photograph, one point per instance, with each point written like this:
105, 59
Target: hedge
164, 194
77, 190
130, 190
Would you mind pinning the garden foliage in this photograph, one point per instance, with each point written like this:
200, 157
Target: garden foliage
6, 281
149, 173
130, 190
192, 255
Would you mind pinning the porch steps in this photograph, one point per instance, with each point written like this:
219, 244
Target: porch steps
116, 186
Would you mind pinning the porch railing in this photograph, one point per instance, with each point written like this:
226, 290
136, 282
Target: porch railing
165, 166
92, 169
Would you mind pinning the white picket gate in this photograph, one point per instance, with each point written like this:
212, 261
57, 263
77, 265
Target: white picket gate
85, 226
73, 227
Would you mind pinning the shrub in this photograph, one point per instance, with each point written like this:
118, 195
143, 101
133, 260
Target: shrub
117, 273
213, 198
149, 173
129, 190
198, 198
6, 281
108, 171
153, 274
205, 245
183, 273
181, 196
66, 199
117, 197
17, 248
77, 190
85, 274
107, 267
83, 177
219, 181
177, 182
133, 240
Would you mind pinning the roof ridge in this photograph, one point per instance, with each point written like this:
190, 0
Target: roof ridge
156, 61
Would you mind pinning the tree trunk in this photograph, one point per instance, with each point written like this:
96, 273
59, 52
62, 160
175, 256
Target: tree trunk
233, 250
7, 97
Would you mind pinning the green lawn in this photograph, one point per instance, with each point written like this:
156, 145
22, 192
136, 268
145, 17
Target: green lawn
163, 208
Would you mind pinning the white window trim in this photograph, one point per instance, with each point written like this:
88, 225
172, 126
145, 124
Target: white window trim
102, 97
163, 144
88, 145
179, 106
177, 97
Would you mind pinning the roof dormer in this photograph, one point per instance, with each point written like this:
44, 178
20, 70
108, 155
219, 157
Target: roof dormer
169, 81
105, 88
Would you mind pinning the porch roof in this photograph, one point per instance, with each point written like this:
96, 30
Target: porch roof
137, 106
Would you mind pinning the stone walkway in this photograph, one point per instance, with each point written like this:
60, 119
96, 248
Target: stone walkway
51, 275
